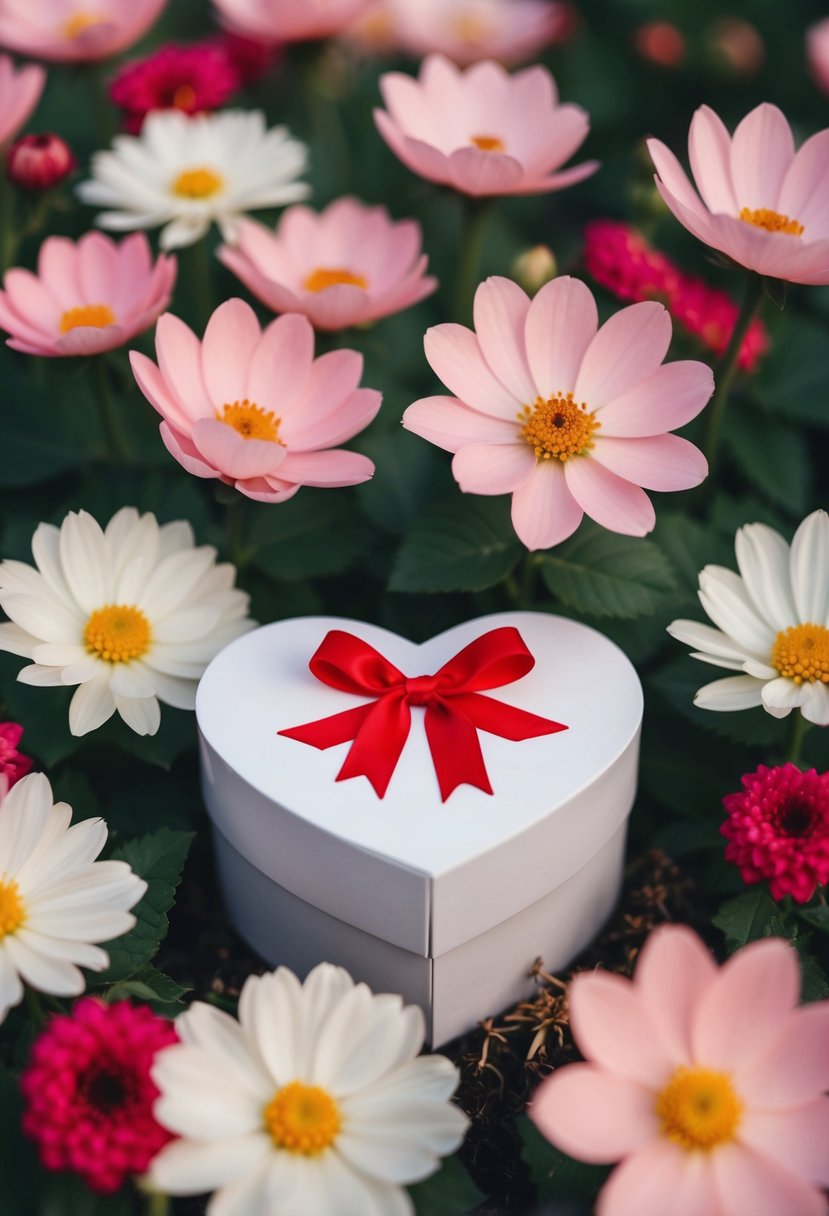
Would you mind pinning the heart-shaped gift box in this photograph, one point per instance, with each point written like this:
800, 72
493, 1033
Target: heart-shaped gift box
447, 902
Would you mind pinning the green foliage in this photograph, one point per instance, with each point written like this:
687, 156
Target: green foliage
158, 990
602, 574
556, 1176
313, 534
449, 1192
460, 544
747, 917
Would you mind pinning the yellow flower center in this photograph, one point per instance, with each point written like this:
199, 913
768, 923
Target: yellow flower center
303, 1119
330, 276
699, 1109
184, 97
801, 653
772, 221
558, 428
81, 20
251, 421
12, 911
197, 183
118, 633
487, 143
470, 27
91, 316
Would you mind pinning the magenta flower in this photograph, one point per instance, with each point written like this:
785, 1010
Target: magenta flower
289, 20
20, 90
568, 418
39, 162
763, 204
13, 764
68, 32
255, 408
346, 265
483, 131
707, 1084
86, 297
194, 79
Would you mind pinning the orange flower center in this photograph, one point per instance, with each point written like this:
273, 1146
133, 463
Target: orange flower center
117, 633
80, 21
89, 316
698, 1109
251, 421
184, 97
303, 1119
558, 428
197, 183
772, 221
330, 276
470, 27
12, 911
487, 143
801, 653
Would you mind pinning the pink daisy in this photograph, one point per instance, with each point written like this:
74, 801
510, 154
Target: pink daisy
778, 829
67, 31
467, 31
707, 1084
20, 90
763, 204
194, 79
565, 416
86, 297
483, 131
255, 408
289, 20
817, 52
346, 265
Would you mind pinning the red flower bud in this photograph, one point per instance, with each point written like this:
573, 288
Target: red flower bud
38, 162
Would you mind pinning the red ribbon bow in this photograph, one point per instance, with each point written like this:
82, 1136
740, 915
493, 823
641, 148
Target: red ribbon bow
455, 711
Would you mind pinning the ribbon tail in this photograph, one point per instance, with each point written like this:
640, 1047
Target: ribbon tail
379, 742
456, 750
328, 732
506, 721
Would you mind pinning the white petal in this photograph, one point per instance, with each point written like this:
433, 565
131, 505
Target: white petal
143, 714
781, 693
91, 706
763, 558
809, 564
55, 976
15, 640
11, 989
201, 1099
711, 641
816, 708
84, 560
724, 597
735, 692
27, 810
194, 1167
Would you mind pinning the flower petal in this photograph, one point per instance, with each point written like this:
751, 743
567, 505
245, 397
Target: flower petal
449, 424
658, 462
674, 969
627, 349
614, 1028
561, 323
454, 355
501, 310
611, 501
809, 564
544, 512
565, 1109
492, 468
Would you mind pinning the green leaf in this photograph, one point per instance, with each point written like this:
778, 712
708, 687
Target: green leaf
794, 379
158, 859
460, 544
41, 441
316, 533
158, 990
690, 546
780, 469
557, 1178
603, 574
679, 680
406, 472
817, 917
746, 918
449, 1192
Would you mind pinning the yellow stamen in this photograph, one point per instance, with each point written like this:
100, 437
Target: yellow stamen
92, 316
557, 429
699, 1109
330, 276
12, 911
802, 654
80, 21
772, 221
487, 143
197, 183
470, 27
303, 1119
117, 633
251, 421
184, 97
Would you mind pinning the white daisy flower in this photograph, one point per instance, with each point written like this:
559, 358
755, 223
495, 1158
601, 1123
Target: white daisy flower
312, 1104
773, 623
185, 171
131, 615
56, 900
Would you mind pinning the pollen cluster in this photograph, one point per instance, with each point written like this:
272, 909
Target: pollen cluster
251, 421
118, 633
698, 1108
303, 1119
12, 911
332, 276
801, 653
92, 316
558, 428
197, 183
772, 221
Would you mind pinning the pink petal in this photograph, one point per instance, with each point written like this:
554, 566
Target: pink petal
179, 360
673, 176
709, 146
660, 462
57, 264
673, 970
90, 340
182, 449
492, 468
662, 1180
671, 396
798, 1139
353, 416
561, 324
233, 455
544, 512
749, 1183
329, 468
281, 363
333, 378
696, 220
98, 268
559, 181
454, 354
627, 349
231, 337
805, 189
420, 157
154, 387
796, 1067
480, 173
761, 153
33, 301
565, 1109
613, 1027
450, 424
501, 309
611, 501
740, 1015
408, 105
261, 490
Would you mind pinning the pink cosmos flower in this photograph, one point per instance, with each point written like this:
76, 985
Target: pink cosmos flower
778, 829
343, 266
194, 79
708, 1084
482, 131
89, 1094
289, 20
20, 90
13, 764
75, 31
255, 408
763, 205
86, 297
466, 31
817, 52
566, 417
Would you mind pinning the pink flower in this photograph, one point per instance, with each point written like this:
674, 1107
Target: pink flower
20, 91
707, 1084
346, 265
566, 417
255, 408
69, 31
482, 131
189, 78
13, 764
86, 297
778, 829
89, 1095
289, 20
466, 31
763, 205
817, 52
39, 162
710, 315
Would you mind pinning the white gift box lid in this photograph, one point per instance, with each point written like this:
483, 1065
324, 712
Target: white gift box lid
423, 874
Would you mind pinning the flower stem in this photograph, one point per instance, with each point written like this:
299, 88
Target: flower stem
475, 214
158, 1204
798, 730
727, 367
109, 415
8, 234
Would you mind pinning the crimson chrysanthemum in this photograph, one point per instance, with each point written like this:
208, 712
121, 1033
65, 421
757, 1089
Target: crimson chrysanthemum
194, 79
13, 764
778, 829
89, 1094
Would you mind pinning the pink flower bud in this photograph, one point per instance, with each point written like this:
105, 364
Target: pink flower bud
39, 162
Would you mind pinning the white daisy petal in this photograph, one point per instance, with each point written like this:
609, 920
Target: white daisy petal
15, 640
809, 563
816, 707
55, 975
83, 557
763, 559
710, 641
724, 597
735, 692
41, 677
91, 706
784, 694
187, 1166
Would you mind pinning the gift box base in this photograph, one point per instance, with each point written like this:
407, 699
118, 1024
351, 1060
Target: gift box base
456, 989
